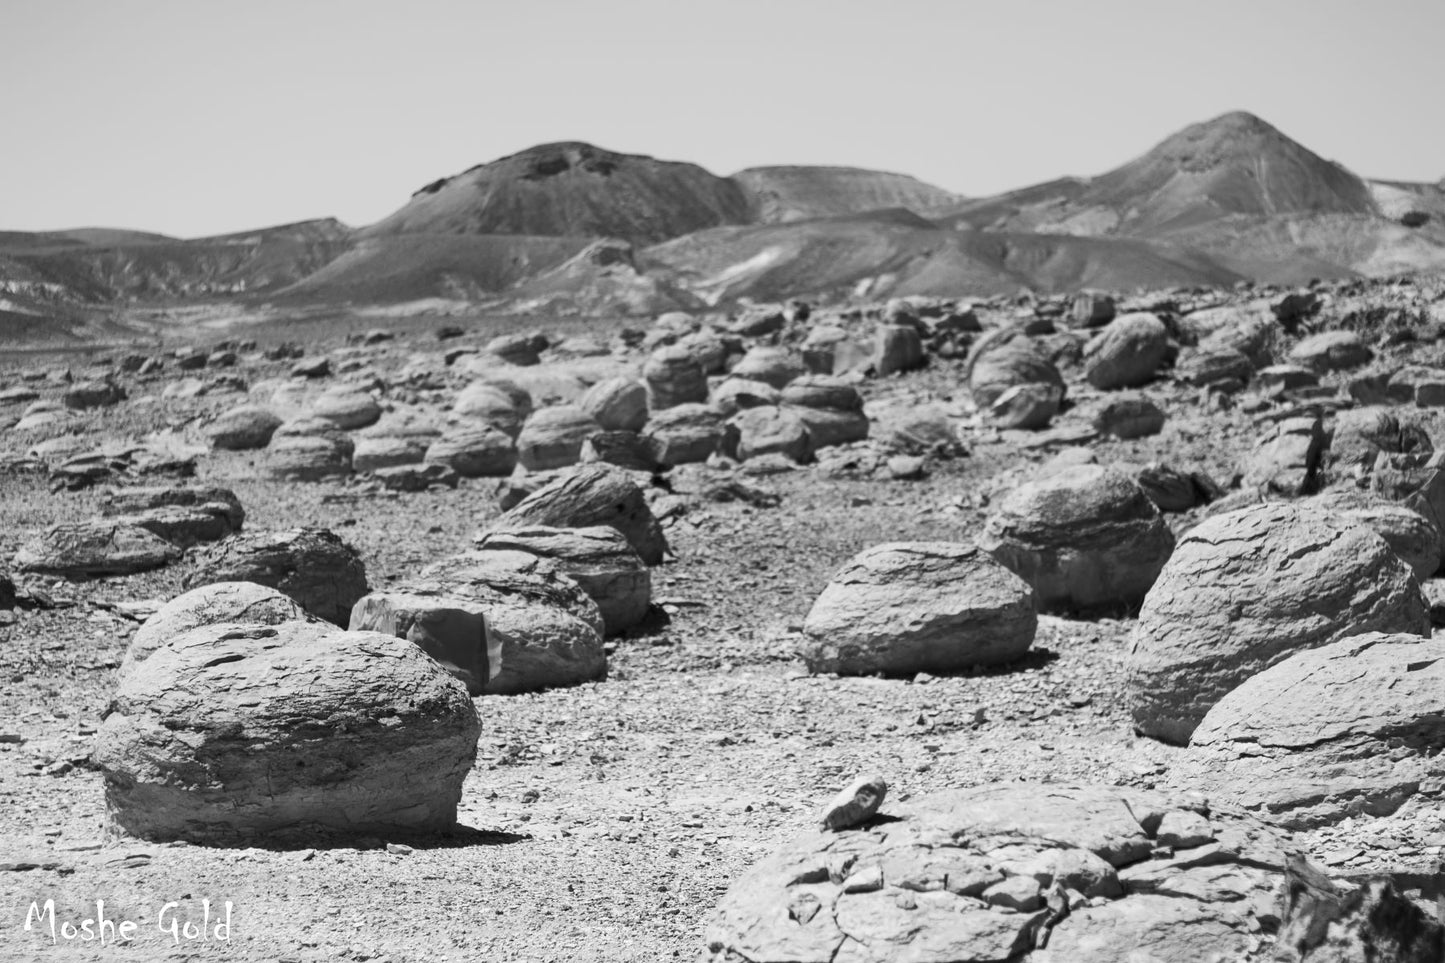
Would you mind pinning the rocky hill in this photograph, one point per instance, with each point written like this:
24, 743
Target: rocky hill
780, 194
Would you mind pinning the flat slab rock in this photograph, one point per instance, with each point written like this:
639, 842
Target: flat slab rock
1347, 729
1015, 871
102, 546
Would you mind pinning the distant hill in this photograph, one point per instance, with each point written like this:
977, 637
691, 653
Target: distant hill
572, 190
780, 194
1235, 164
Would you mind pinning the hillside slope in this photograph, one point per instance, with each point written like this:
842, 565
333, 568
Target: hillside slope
780, 194
572, 190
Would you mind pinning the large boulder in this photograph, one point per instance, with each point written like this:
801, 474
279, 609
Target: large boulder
673, 377
597, 558
1086, 540
1246, 589
553, 437
908, 607
211, 605
1331, 351
1127, 353
309, 449
1015, 383
772, 430
590, 495
450, 629
1025, 872
474, 451
830, 426
1361, 435
1347, 729
264, 733
546, 630
315, 567
735, 394
243, 428
689, 432
98, 547
1091, 309
617, 404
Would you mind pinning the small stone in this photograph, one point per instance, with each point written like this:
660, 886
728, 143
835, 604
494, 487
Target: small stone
856, 803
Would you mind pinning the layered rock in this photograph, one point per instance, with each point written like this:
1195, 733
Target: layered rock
98, 547
450, 629
553, 437
243, 428
212, 604
248, 733
1247, 589
1086, 539
1347, 729
907, 607
315, 567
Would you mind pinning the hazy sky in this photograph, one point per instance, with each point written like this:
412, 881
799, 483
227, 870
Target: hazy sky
194, 117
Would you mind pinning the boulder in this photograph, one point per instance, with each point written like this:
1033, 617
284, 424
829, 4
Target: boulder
822, 391
1174, 490
1086, 540
617, 404
1425, 386
735, 394
517, 349
1128, 416
1411, 535
593, 495
771, 366
597, 558
1223, 368
491, 402
378, 452
474, 451
243, 428
1287, 460
1025, 872
1127, 353
907, 607
689, 432
1347, 729
98, 547
309, 457
181, 516
919, 430
830, 426
1277, 380
259, 734
553, 437
1248, 588
1091, 309
450, 629
547, 631
346, 408
1362, 434
1016, 384
772, 430
210, 605
625, 449
93, 394
896, 348
673, 377
707, 349
321, 572
1331, 351
416, 478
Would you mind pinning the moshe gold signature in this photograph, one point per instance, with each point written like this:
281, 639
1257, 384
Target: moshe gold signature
114, 930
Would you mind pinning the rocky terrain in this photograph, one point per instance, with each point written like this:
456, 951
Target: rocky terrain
1228, 200
474, 637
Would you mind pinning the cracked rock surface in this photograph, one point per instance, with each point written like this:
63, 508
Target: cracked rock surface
1017, 871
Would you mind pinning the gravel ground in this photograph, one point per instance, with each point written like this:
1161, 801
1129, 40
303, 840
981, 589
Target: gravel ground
602, 822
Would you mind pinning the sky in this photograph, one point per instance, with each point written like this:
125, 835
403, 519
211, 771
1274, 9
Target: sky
191, 118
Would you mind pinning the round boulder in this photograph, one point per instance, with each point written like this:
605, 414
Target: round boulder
617, 404
553, 437
263, 733
1248, 588
493, 403
771, 366
772, 431
244, 428
673, 377
321, 572
689, 432
1351, 728
1127, 352
474, 451
347, 408
1411, 535
596, 494
908, 607
1086, 539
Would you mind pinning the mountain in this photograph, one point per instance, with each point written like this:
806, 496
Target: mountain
572, 190
780, 194
1235, 164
